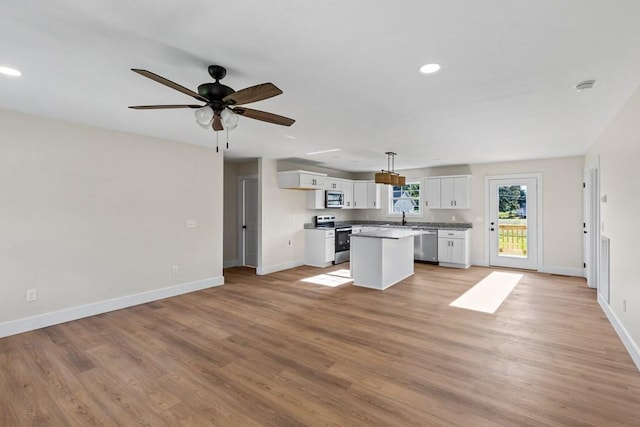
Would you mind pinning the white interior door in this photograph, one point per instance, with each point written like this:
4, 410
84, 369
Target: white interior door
249, 223
591, 227
513, 222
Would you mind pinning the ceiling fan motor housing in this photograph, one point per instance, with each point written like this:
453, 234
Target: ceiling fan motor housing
215, 92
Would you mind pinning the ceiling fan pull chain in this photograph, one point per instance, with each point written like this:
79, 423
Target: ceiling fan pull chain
227, 129
217, 142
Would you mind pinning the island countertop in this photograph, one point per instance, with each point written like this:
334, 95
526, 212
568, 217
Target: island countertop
389, 233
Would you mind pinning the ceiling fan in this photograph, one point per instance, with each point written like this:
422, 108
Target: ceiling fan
221, 103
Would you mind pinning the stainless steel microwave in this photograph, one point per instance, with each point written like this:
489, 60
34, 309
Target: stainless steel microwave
334, 199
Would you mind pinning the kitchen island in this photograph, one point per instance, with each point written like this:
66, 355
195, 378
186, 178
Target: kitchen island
382, 258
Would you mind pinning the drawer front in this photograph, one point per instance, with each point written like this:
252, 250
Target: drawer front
330, 234
452, 234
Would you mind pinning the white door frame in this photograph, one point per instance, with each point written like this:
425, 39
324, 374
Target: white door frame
539, 220
240, 217
591, 222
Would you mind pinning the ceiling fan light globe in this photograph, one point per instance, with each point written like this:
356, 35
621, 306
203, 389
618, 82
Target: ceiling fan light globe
204, 116
229, 119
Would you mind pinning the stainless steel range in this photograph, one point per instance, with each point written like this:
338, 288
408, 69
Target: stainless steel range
343, 237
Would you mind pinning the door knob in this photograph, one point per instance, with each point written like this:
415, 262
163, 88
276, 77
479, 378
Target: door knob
492, 229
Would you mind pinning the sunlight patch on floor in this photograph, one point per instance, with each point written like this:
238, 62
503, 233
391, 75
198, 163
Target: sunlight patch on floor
332, 279
487, 295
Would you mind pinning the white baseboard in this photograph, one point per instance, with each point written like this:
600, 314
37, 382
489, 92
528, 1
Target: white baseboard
31, 323
279, 267
630, 345
479, 263
563, 271
230, 263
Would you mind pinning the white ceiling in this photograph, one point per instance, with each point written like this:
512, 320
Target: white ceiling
348, 69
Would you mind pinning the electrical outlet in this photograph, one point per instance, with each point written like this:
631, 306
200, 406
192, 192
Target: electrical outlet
192, 223
175, 270
32, 294
453, 217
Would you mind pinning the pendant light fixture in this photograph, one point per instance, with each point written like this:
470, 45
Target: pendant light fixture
389, 176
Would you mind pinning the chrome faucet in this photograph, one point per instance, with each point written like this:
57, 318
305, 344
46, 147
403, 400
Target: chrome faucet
404, 221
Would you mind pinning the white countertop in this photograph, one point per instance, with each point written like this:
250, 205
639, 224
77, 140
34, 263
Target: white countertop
389, 233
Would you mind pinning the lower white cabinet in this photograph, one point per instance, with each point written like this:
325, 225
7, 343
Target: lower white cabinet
454, 249
320, 247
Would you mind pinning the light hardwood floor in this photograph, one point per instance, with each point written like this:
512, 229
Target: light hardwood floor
272, 350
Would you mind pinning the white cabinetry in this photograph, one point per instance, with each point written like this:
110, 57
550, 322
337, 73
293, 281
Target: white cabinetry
366, 195
316, 199
432, 193
454, 248
320, 247
333, 184
347, 191
301, 180
450, 192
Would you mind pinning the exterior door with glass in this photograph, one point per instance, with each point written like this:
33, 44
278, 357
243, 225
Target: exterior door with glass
513, 222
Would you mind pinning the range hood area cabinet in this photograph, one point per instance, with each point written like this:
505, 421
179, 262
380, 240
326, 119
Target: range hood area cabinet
302, 180
357, 194
447, 192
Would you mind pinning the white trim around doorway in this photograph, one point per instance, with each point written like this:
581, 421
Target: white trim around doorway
539, 222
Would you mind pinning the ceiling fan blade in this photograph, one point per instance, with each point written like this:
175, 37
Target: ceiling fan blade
264, 116
169, 83
252, 94
217, 123
159, 107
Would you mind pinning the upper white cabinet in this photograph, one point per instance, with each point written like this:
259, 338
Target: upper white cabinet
347, 190
432, 193
315, 199
451, 192
302, 180
335, 184
366, 195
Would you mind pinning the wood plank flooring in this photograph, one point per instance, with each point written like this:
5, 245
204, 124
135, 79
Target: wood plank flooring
275, 351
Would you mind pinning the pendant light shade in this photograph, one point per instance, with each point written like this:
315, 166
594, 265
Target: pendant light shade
204, 116
390, 177
229, 119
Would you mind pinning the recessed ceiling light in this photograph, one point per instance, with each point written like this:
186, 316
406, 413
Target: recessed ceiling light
323, 151
10, 72
290, 136
429, 68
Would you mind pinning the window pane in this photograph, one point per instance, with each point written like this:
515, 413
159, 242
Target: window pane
405, 198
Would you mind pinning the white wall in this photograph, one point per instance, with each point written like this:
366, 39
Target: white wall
283, 215
618, 150
89, 215
562, 207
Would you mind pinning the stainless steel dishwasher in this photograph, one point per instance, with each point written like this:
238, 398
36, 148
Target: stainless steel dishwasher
425, 246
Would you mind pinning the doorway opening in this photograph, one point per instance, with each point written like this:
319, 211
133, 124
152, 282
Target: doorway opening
512, 212
248, 220
591, 224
